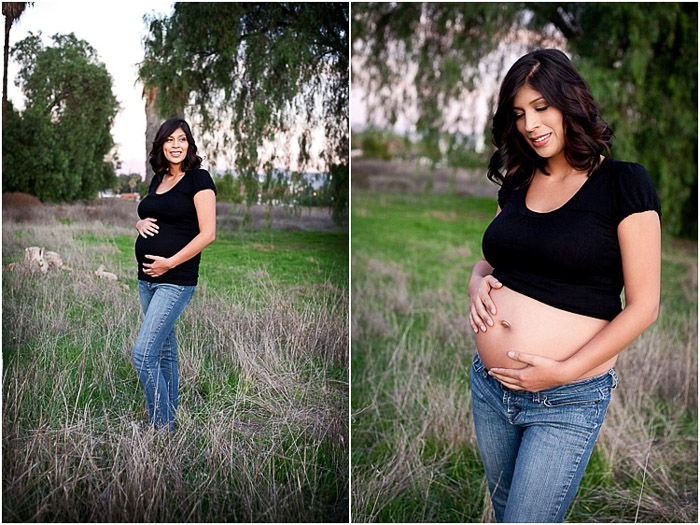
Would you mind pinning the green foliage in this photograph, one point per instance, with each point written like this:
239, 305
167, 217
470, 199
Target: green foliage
640, 61
142, 189
228, 189
338, 188
374, 144
386, 145
128, 183
278, 187
56, 148
270, 67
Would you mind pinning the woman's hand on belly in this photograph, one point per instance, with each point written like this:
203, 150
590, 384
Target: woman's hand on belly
158, 267
481, 303
539, 374
147, 226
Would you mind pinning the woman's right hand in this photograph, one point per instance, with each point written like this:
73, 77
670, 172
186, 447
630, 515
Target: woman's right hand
147, 226
480, 303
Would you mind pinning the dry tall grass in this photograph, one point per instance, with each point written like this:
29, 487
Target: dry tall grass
414, 423
25, 208
262, 425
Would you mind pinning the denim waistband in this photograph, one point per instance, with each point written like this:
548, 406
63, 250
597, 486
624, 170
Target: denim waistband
593, 381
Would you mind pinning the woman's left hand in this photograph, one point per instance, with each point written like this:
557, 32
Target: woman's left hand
540, 374
158, 267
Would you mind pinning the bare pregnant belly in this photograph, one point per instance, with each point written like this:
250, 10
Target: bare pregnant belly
536, 328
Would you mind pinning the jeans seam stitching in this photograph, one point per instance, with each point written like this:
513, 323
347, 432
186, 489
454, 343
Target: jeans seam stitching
576, 466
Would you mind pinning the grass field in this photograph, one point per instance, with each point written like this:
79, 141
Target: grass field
414, 455
262, 425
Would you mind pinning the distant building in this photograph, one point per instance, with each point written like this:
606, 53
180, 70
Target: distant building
129, 196
105, 194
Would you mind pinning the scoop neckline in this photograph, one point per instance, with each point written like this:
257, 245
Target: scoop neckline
172, 188
571, 199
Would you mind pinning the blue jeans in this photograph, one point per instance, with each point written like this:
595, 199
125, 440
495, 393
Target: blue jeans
535, 445
155, 351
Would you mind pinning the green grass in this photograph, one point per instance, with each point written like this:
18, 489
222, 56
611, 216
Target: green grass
286, 258
414, 455
421, 233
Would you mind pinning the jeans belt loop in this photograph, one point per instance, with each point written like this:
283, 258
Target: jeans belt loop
616, 379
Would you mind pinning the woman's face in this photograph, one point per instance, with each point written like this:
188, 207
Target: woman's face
540, 124
175, 147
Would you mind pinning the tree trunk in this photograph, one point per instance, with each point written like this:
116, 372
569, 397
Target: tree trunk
8, 25
11, 11
152, 124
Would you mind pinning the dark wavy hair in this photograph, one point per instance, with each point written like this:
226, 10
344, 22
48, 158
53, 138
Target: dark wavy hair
550, 72
157, 159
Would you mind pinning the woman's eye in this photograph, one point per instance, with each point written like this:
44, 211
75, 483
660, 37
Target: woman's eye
542, 108
518, 115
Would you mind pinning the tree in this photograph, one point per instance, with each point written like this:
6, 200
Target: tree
56, 149
12, 11
229, 189
254, 72
640, 61
127, 183
424, 54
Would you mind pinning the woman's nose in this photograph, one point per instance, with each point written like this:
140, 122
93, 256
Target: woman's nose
532, 122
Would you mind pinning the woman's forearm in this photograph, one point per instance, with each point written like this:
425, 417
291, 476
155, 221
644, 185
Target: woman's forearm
195, 246
611, 340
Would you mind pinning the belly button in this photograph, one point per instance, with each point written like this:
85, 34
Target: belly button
505, 323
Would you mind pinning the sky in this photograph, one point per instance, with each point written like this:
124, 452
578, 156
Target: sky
116, 31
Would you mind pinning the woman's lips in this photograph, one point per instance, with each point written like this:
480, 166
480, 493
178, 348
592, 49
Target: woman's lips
542, 140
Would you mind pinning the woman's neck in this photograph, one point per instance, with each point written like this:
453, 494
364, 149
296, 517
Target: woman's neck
174, 171
558, 167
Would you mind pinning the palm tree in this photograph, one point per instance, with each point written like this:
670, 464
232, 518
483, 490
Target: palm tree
11, 11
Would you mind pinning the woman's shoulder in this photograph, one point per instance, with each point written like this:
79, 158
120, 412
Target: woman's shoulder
200, 179
198, 172
631, 187
622, 170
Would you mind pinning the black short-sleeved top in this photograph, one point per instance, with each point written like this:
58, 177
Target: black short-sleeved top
177, 222
569, 258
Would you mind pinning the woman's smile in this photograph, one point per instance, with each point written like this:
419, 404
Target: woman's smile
541, 141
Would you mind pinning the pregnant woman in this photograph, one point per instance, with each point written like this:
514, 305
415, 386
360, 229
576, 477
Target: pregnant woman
573, 227
178, 220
